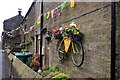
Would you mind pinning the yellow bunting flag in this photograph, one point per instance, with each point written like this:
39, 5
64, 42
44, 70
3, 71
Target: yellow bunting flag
67, 42
48, 15
72, 3
38, 21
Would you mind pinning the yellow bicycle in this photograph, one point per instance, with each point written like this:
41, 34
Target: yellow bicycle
77, 52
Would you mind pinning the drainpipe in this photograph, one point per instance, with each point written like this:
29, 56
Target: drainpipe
41, 36
113, 39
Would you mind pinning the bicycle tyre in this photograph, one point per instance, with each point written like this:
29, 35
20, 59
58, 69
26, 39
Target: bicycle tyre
75, 55
59, 54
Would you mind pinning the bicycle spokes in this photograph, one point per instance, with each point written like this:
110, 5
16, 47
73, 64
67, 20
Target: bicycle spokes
61, 50
77, 54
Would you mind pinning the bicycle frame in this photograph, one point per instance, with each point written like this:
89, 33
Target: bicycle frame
67, 43
75, 45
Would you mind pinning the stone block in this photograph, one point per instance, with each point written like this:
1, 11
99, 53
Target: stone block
38, 77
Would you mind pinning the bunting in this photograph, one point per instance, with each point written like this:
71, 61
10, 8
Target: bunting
52, 13
58, 10
63, 6
46, 16
72, 4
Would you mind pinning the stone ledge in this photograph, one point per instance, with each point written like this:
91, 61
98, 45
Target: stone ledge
21, 69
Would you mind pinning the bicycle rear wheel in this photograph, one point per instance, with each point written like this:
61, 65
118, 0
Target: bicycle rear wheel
77, 54
60, 50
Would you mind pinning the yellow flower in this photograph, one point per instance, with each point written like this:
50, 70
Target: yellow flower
65, 26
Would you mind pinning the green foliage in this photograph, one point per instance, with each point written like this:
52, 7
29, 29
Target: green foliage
73, 30
28, 63
60, 76
53, 68
44, 73
35, 60
24, 50
26, 43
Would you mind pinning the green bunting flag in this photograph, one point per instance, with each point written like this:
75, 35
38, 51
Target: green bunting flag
63, 6
35, 24
45, 16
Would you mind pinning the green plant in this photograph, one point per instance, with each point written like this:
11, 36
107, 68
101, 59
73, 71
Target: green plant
31, 38
44, 73
26, 43
47, 70
60, 76
53, 68
29, 62
35, 62
22, 44
24, 50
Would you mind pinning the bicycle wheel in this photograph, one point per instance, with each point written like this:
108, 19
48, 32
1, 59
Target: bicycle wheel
60, 50
77, 54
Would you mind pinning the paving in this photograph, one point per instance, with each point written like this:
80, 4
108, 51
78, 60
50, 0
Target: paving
4, 65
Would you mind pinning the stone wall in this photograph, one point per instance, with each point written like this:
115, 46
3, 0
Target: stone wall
26, 25
20, 70
95, 21
10, 43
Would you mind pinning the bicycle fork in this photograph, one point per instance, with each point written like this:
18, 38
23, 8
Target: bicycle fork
73, 48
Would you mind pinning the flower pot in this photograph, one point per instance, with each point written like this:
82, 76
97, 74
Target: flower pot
35, 68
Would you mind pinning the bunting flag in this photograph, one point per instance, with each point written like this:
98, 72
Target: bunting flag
38, 21
35, 24
52, 13
63, 6
23, 30
38, 17
72, 4
45, 16
12, 31
31, 28
58, 10
48, 15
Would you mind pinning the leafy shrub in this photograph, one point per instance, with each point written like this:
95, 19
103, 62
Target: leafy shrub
60, 76
29, 62
35, 64
53, 68
44, 73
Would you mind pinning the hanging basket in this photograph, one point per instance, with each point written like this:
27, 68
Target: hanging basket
57, 36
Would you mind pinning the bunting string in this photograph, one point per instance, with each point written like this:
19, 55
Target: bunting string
46, 16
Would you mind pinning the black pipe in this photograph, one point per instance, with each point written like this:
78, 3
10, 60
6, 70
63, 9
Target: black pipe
41, 26
36, 43
113, 39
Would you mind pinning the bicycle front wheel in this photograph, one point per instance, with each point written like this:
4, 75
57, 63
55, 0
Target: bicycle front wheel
77, 54
60, 50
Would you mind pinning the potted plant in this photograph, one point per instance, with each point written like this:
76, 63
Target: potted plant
35, 64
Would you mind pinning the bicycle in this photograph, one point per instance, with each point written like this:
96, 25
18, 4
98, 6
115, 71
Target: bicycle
77, 52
